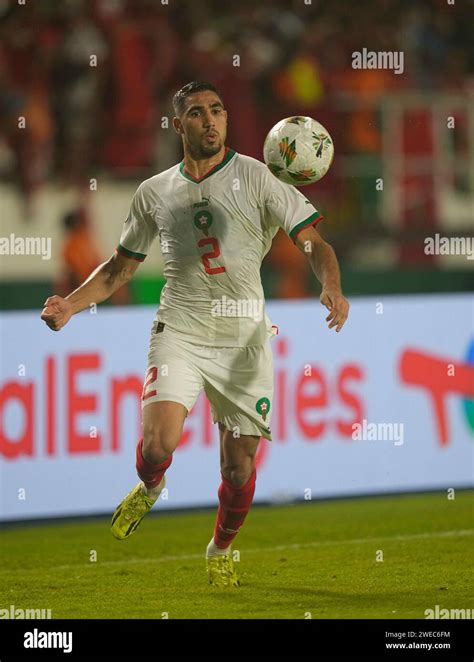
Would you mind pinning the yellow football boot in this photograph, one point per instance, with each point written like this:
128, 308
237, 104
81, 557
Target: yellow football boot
131, 511
221, 572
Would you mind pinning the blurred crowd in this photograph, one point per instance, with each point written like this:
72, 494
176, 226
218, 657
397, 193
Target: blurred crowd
94, 78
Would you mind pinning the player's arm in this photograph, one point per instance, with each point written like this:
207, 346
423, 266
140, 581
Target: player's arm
99, 286
323, 261
138, 232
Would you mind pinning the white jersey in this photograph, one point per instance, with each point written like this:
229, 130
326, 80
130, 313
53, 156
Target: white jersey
214, 233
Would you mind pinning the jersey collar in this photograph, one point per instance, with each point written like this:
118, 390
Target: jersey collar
229, 153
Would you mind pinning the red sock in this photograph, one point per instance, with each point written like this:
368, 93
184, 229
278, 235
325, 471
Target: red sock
150, 474
234, 504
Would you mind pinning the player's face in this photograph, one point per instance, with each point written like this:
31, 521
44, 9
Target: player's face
203, 124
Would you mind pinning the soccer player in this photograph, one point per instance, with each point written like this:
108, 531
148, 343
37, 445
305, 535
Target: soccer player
215, 214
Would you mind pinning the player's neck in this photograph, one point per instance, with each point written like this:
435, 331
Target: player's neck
198, 169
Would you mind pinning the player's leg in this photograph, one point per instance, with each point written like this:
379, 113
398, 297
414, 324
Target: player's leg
163, 423
236, 491
237, 488
240, 389
162, 429
171, 387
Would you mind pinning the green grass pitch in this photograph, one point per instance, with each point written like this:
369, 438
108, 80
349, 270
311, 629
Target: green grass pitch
312, 559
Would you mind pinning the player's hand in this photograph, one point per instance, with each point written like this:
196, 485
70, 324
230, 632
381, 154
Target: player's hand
337, 305
56, 312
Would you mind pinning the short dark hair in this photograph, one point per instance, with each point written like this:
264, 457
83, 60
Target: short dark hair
190, 88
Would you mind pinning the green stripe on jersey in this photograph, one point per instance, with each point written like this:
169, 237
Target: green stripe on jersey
219, 166
304, 223
124, 251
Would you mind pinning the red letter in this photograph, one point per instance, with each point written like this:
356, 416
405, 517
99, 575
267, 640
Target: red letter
187, 434
303, 402
350, 371
262, 452
50, 405
79, 403
282, 411
121, 387
207, 426
24, 393
431, 373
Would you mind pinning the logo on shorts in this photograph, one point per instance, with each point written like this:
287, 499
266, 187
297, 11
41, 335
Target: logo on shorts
263, 407
203, 221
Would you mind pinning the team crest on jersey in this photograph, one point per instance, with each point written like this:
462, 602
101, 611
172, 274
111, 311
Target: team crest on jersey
263, 407
203, 221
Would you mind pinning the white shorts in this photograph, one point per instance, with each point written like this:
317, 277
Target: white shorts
238, 381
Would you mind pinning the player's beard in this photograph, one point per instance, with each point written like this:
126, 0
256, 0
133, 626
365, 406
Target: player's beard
210, 150
203, 150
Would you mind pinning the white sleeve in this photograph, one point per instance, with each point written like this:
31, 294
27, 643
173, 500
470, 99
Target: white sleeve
286, 206
139, 229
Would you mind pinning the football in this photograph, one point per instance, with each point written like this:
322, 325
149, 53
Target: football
298, 150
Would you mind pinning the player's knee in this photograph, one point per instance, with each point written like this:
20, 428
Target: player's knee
156, 446
237, 475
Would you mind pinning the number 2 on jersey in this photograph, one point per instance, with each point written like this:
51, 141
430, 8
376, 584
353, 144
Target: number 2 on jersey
210, 241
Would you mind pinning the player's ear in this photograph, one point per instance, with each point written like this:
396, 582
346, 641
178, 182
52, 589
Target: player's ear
178, 127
